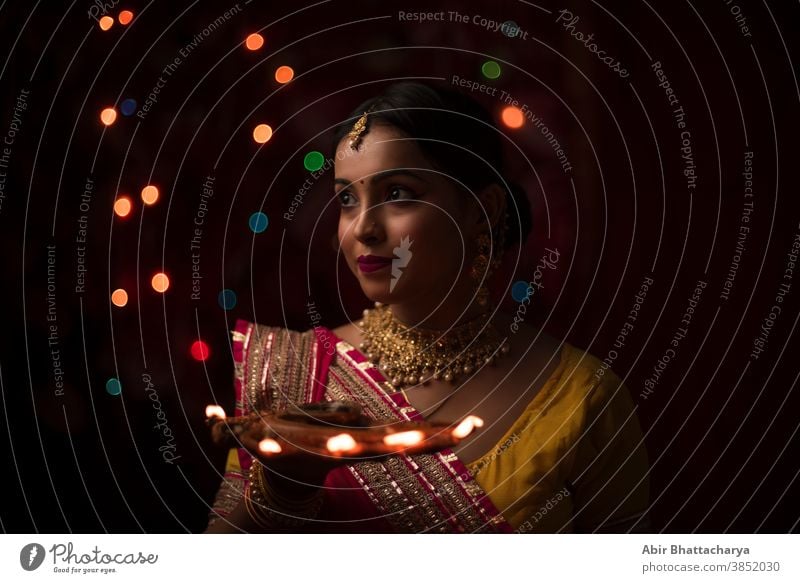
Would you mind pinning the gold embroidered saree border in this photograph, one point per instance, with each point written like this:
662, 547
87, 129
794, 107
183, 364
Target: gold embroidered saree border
230, 491
416, 493
274, 367
279, 367
267, 362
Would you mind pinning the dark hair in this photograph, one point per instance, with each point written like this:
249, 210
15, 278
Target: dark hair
456, 135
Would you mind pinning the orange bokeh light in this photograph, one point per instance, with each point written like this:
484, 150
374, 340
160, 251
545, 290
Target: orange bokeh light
125, 17
106, 22
119, 297
284, 74
122, 207
160, 282
513, 117
254, 41
150, 194
108, 116
262, 133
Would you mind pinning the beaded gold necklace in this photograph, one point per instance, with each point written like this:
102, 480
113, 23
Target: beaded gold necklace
412, 355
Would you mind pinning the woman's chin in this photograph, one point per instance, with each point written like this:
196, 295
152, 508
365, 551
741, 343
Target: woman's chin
383, 297
379, 292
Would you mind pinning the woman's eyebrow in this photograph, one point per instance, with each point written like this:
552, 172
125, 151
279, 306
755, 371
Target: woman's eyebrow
383, 175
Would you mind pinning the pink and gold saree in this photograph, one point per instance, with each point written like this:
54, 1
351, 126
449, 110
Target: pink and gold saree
274, 367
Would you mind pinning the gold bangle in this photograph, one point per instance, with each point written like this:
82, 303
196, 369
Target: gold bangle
301, 505
256, 513
271, 510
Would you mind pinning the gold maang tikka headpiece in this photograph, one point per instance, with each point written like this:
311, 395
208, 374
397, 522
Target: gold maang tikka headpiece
358, 129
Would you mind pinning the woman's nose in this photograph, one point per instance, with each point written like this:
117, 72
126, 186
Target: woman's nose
368, 227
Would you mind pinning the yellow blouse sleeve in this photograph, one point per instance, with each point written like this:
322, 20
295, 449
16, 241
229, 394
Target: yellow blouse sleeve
574, 461
230, 490
609, 474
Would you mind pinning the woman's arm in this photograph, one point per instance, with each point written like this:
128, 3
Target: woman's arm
238, 521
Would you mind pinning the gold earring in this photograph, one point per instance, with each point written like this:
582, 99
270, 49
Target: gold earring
480, 269
486, 262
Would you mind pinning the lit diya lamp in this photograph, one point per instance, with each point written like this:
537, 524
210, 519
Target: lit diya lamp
335, 428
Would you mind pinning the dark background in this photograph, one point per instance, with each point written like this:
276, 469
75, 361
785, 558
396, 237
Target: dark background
721, 427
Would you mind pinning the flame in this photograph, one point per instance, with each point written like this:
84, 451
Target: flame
269, 445
215, 411
341, 442
466, 426
404, 438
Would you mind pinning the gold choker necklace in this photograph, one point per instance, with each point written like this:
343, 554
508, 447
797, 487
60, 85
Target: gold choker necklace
412, 355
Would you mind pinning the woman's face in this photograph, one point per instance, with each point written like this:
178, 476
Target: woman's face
395, 206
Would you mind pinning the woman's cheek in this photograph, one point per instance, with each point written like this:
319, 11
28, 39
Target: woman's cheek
344, 233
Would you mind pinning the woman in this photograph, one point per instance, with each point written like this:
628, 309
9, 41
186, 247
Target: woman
425, 217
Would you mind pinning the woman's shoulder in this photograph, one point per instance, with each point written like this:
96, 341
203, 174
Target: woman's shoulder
593, 381
244, 327
274, 364
584, 366
265, 338
579, 373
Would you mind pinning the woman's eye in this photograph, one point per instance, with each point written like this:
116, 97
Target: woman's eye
343, 198
403, 193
